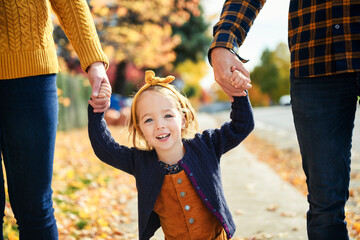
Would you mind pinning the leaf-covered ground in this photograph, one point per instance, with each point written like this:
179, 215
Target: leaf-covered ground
95, 201
288, 165
90, 198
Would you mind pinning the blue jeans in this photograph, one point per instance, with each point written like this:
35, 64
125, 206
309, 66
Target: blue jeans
324, 111
28, 121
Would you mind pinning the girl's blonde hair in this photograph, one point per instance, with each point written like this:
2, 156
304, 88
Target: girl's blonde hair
161, 86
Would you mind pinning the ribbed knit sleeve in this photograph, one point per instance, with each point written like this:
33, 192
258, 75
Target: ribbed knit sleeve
27, 46
78, 25
231, 133
105, 147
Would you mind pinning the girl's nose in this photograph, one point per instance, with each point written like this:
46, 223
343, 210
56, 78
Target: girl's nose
159, 124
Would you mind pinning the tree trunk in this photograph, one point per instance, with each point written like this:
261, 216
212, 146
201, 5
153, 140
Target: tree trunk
119, 85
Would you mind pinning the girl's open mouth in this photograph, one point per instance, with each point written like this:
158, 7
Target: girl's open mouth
163, 136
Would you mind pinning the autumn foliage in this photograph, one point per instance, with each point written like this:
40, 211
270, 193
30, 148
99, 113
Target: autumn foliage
139, 32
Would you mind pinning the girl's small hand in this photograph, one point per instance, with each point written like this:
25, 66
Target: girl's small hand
238, 81
105, 90
103, 98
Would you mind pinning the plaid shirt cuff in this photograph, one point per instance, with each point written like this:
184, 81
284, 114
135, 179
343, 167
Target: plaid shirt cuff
225, 39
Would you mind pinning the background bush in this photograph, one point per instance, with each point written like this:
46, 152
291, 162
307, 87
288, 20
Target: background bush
74, 92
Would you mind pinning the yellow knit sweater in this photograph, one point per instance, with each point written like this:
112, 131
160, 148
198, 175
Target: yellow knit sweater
26, 44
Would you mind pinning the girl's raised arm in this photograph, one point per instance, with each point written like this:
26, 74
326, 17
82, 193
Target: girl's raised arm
234, 132
104, 145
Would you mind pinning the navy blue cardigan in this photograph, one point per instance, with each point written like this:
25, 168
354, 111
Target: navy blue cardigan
201, 163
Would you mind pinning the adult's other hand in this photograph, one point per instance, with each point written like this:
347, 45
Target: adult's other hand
222, 62
97, 74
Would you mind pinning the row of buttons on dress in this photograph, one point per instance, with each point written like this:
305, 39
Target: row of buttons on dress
187, 207
182, 194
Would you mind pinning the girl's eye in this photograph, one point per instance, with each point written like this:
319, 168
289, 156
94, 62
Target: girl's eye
148, 120
168, 116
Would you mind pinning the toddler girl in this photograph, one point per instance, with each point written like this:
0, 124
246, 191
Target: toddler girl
177, 170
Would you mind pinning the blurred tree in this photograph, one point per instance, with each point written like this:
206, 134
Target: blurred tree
257, 97
192, 73
137, 31
272, 75
194, 39
219, 94
191, 52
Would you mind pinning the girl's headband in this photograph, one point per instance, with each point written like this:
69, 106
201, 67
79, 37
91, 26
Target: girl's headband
151, 80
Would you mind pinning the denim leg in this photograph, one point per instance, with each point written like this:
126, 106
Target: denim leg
324, 111
29, 117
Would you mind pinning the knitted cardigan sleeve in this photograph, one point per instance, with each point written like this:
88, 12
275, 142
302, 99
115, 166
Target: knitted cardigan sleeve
76, 20
105, 147
231, 133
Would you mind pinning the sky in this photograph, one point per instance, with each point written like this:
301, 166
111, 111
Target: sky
268, 30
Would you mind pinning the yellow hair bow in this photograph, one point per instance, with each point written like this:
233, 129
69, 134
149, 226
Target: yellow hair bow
151, 80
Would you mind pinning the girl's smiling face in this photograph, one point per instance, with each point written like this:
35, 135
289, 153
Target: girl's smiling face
160, 121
